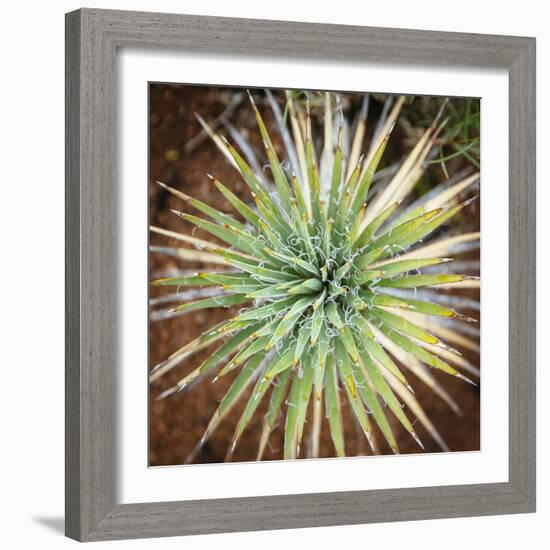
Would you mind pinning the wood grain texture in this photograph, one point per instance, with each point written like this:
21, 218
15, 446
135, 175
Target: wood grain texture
92, 37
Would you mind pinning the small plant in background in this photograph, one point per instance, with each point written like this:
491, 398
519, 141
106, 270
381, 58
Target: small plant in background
460, 138
336, 268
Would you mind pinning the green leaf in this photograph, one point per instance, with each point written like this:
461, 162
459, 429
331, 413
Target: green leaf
255, 347
255, 185
336, 181
272, 291
220, 217
309, 286
267, 310
243, 379
239, 386
319, 367
344, 367
386, 393
417, 281
242, 241
377, 352
422, 354
403, 325
371, 229
304, 333
422, 231
229, 346
217, 301
305, 395
316, 324
277, 397
334, 412
346, 372
278, 175
190, 280
283, 327
297, 263
243, 209
300, 200
254, 400
395, 234
343, 210
300, 306
346, 337
207, 338
418, 306
227, 279
371, 401
313, 175
366, 179
365, 259
290, 435
402, 266
281, 363
333, 315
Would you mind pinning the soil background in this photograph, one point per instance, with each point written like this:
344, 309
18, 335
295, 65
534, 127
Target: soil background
177, 422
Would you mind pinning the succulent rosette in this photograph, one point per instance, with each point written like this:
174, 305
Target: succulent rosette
340, 273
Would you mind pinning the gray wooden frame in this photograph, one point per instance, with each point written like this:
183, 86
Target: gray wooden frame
92, 39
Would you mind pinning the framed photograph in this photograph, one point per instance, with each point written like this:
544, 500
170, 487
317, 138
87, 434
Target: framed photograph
300, 275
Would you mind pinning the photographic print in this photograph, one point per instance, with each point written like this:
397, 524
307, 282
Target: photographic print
314, 262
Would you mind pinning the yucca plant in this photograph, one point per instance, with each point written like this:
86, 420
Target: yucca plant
333, 268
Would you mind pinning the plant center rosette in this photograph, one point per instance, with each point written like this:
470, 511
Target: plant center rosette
331, 274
